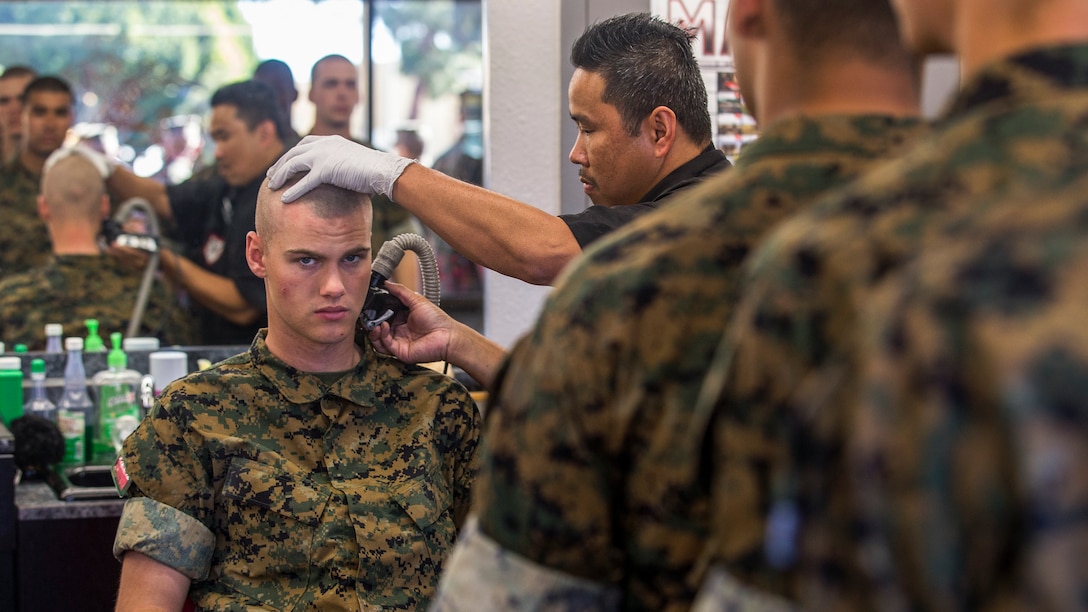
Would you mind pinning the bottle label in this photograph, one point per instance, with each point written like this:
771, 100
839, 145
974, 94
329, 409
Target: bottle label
72, 426
118, 416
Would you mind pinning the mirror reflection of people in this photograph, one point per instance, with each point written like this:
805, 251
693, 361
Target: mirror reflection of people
309, 472
13, 81
644, 135
211, 216
79, 281
47, 115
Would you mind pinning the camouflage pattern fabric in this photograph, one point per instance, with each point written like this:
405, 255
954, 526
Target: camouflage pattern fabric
340, 496
24, 239
582, 472
969, 448
72, 288
788, 366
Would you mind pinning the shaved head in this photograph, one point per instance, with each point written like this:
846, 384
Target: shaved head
73, 189
326, 201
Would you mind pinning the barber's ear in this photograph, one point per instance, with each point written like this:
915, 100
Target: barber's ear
663, 126
255, 254
266, 130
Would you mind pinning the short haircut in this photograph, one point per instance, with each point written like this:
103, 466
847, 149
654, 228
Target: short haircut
12, 72
867, 28
255, 102
48, 83
646, 62
328, 58
73, 189
326, 201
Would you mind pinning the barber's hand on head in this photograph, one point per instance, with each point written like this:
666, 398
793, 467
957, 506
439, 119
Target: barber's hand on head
103, 164
423, 338
336, 161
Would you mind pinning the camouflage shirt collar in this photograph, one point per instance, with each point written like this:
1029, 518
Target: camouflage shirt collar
1034, 75
802, 134
300, 387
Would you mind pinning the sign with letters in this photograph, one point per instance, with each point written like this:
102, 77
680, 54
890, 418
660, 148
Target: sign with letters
733, 126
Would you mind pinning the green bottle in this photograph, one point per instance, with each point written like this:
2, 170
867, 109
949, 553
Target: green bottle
94, 343
118, 408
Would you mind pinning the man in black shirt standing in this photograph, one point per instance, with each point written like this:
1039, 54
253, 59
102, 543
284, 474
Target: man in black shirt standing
641, 107
211, 216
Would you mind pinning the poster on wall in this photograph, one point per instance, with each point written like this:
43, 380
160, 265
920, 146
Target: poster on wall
733, 126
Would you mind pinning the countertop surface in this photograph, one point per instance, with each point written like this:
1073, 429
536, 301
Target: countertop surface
35, 501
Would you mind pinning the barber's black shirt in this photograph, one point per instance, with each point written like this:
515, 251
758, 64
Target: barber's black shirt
212, 219
596, 221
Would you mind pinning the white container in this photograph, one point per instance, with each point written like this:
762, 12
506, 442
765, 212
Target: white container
166, 367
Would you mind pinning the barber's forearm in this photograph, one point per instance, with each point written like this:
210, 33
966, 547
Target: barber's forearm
476, 354
493, 230
217, 293
124, 184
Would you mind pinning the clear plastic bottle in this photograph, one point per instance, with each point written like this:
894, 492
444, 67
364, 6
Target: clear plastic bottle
53, 333
39, 404
75, 411
118, 407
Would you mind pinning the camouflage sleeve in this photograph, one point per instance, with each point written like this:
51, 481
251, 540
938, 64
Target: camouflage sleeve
481, 575
165, 534
174, 497
968, 446
458, 424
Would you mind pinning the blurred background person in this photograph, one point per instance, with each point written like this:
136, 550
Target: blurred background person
79, 281
12, 83
334, 92
46, 118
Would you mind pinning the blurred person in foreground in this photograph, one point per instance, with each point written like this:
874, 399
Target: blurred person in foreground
586, 491
969, 503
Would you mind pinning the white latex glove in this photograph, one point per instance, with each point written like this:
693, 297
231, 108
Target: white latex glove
101, 163
334, 160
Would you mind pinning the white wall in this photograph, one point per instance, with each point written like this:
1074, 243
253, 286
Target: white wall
527, 126
522, 123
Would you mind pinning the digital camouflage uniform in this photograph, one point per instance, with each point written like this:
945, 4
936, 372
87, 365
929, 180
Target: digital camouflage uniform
969, 450
788, 365
69, 289
581, 476
24, 239
268, 487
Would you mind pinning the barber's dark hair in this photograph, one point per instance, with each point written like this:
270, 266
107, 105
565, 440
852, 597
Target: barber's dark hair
254, 102
646, 62
48, 83
858, 27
